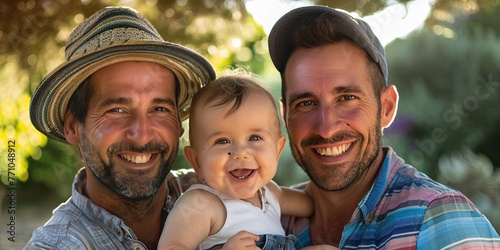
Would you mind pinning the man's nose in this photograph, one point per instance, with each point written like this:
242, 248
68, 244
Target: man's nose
140, 129
327, 122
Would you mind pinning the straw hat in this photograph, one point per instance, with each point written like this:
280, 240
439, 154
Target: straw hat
112, 35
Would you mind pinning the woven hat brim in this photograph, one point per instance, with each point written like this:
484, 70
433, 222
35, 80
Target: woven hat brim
50, 100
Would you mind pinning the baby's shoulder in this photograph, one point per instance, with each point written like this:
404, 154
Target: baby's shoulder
200, 197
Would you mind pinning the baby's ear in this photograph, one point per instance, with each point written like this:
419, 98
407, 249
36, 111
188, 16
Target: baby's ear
193, 160
281, 145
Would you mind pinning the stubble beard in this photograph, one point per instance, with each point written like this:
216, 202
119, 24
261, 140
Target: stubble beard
136, 185
325, 176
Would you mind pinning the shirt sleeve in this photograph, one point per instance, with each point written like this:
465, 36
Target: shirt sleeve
68, 239
453, 222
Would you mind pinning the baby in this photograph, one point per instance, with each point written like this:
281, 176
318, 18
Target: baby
236, 143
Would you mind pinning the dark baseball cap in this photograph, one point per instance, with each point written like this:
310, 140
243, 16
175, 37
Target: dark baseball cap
281, 43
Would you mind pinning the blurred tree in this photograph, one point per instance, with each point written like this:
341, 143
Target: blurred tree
362, 7
449, 88
457, 15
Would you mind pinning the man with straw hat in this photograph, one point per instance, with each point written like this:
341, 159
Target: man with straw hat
120, 97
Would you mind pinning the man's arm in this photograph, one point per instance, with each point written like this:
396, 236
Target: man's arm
292, 201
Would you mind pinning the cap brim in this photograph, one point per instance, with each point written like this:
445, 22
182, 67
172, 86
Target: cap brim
50, 100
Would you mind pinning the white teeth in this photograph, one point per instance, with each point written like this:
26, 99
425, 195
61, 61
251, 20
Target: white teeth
333, 151
137, 158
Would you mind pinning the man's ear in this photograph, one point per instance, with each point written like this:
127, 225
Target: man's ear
389, 102
181, 131
283, 110
72, 129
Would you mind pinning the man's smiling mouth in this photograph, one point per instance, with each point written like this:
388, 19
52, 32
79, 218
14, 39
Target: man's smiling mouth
334, 151
136, 158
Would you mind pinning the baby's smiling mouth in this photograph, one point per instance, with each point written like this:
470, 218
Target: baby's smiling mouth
242, 173
136, 158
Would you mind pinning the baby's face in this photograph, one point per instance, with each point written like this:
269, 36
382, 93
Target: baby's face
238, 154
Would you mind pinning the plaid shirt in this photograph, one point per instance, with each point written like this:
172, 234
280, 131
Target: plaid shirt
407, 210
80, 224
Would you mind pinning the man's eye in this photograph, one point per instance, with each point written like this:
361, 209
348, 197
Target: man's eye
222, 141
160, 109
116, 110
347, 97
255, 138
305, 103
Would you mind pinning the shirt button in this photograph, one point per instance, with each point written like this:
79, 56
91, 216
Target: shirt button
369, 217
137, 247
119, 232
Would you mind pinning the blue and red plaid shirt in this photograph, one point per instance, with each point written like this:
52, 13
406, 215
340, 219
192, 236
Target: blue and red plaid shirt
405, 209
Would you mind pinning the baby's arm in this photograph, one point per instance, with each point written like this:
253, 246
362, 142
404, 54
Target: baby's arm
292, 201
195, 216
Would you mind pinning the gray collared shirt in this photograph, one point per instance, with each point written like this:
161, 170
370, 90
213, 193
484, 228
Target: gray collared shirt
80, 224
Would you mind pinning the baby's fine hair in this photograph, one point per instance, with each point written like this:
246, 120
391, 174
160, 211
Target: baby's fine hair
222, 91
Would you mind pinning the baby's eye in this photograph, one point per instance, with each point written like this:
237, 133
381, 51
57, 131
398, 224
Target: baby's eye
255, 138
222, 141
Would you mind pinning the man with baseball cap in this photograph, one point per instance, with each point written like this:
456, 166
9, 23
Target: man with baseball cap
120, 97
336, 101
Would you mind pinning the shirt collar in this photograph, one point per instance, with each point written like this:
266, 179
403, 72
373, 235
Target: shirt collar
95, 213
385, 175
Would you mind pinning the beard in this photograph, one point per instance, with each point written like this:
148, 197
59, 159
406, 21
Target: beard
135, 184
330, 177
